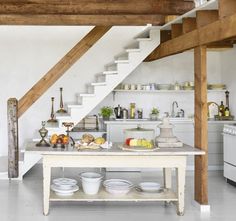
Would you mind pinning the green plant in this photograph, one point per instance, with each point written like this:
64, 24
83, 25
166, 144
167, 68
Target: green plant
106, 111
155, 111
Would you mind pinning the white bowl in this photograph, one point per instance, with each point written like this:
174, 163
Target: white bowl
150, 186
91, 182
117, 186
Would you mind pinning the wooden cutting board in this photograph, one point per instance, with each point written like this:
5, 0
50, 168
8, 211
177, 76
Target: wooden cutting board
137, 148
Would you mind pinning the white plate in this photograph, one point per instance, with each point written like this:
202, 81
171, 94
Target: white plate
149, 186
65, 192
64, 182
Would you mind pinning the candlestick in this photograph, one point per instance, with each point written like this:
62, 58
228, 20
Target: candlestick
61, 110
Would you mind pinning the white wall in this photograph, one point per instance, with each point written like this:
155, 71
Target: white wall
229, 75
27, 53
168, 70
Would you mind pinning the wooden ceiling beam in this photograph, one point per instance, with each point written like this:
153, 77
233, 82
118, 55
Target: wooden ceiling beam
217, 31
105, 7
96, 20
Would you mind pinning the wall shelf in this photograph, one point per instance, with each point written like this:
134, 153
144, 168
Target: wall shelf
162, 91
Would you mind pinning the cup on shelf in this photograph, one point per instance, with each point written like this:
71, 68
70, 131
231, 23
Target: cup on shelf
139, 87
126, 86
132, 87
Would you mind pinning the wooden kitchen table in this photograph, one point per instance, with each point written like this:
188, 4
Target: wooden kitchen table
166, 158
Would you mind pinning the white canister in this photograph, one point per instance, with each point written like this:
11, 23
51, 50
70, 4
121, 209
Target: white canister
91, 182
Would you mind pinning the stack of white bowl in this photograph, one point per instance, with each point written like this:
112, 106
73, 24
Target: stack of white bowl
91, 182
64, 186
117, 186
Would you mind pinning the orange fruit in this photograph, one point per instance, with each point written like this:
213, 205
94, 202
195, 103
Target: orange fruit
65, 140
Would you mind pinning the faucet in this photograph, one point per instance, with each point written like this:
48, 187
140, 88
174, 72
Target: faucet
173, 108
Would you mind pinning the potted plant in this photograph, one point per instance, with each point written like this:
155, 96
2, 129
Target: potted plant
154, 113
106, 112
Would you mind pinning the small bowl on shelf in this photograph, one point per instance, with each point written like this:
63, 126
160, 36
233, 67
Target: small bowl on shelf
163, 86
117, 186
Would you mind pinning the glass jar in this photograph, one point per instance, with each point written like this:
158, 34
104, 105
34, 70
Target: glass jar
132, 110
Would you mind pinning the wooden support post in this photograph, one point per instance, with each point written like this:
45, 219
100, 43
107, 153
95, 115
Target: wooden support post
189, 24
13, 147
226, 8
201, 131
176, 30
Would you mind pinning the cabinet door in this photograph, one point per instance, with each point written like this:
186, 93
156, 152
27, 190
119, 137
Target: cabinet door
185, 133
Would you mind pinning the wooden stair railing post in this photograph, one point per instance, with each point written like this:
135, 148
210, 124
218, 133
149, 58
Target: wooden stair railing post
13, 143
61, 67
201, 124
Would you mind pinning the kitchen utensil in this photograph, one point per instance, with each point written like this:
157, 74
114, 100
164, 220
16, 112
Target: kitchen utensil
150, 186
163, 86
124, 113
118, 112
91, 182
117, 186
64, 192
64, 181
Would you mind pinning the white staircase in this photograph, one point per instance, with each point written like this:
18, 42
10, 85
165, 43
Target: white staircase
113, 74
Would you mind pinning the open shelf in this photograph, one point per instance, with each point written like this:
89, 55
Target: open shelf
162, 91
133, 195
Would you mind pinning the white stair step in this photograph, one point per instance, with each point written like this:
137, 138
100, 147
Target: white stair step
75, 106
99, 84
121, 61
143, 39
133, 50
87, 95
110, 72
63, 117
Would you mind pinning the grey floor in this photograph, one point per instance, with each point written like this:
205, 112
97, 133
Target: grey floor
22, 200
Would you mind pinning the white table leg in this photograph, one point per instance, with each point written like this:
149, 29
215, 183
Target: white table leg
180, 176
46, 188
167, 181
167, 178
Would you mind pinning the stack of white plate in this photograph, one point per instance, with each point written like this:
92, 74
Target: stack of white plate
64, 186
117, 186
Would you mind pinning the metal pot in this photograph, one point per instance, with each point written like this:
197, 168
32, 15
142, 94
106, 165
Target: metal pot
124, 113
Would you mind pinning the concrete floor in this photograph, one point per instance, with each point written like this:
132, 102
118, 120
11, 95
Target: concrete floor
22, 201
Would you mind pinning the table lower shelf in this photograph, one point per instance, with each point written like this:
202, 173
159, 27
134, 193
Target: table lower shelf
133, 195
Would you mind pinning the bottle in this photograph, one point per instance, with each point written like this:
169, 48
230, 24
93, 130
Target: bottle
227, 112
132, 110
221, 109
